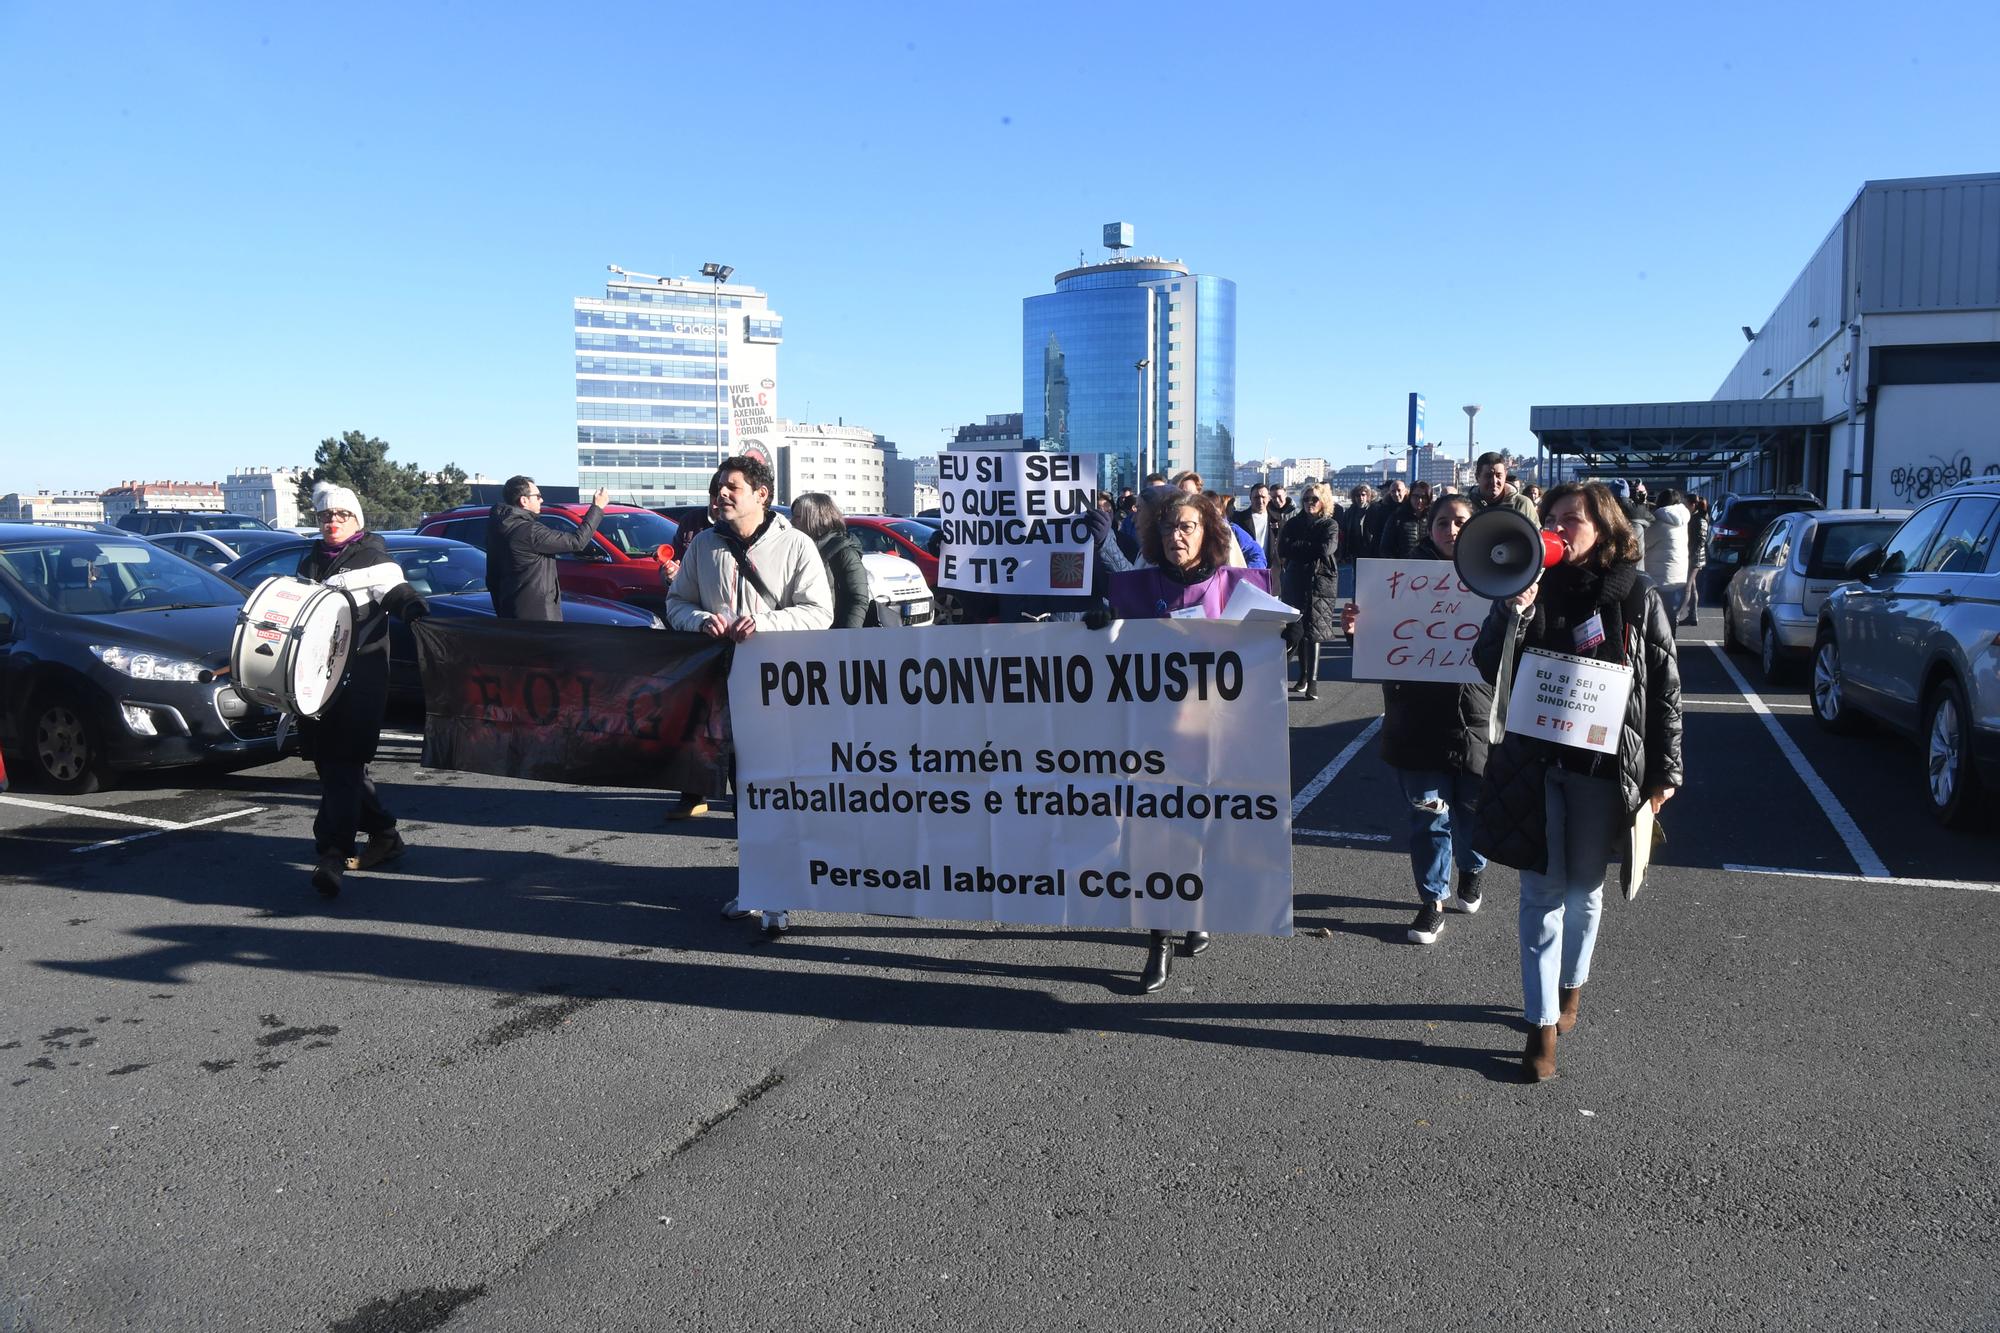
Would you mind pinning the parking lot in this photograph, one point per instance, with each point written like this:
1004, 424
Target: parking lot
525, 1078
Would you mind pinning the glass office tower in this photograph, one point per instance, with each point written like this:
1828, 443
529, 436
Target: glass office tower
1083, 388
672, 375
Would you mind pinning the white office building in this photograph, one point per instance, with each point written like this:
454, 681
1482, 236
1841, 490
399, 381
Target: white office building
52, 507
844, 462
672, 376
271, 494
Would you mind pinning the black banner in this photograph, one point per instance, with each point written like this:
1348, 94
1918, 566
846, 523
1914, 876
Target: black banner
589, 705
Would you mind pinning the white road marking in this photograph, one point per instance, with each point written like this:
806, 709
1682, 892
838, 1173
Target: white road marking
402, 735
172, 828
164, 825
1738, 703
1901, 881
1337, 835
1850, 833
1309, 792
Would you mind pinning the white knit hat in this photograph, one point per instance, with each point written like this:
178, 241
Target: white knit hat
327, 496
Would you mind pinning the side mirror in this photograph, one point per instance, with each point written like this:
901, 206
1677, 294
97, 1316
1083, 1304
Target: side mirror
1864, 562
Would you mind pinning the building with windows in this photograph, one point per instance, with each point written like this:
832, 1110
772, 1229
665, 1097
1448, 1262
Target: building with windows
137, 495
672, 375
1133, 359
999, 431
271, 494
845, 462
52, 507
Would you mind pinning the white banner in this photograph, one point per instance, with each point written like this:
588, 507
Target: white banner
1016, 521
1415, 621
1044, 774
1575, 701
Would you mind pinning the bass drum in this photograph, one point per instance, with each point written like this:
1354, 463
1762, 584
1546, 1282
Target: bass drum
292, 641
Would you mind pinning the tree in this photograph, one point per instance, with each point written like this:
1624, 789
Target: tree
395, 495
448, 489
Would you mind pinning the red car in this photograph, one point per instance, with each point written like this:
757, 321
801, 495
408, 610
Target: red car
916, 542
623, 565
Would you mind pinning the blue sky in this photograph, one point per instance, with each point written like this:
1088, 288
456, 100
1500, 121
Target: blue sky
230, 230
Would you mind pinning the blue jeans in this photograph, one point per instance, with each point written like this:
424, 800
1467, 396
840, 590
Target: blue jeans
1436, 839
1560, 907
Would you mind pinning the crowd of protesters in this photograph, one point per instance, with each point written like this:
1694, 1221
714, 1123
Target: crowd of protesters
1555, 813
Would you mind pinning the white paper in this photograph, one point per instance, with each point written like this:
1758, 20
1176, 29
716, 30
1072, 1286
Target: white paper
1415, 621
1249, 602
1152, 812
1574, 701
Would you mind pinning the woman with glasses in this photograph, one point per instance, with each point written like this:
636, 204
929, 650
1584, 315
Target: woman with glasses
1186, 544
1311, 548
341, 741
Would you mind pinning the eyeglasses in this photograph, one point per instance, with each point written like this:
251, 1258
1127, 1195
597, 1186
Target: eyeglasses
1189, 528
334, 516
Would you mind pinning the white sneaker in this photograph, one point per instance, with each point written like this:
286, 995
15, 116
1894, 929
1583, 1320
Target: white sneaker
777, 923
731, 912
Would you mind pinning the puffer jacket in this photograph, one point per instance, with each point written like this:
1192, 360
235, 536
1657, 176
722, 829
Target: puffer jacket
1311, 545
1513, 822
711, 580
1404, 532
847, 576
1434, 725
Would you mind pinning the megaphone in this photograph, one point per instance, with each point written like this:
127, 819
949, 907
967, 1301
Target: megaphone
1500, 552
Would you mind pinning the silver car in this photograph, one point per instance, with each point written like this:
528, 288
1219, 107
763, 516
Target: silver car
1914, 643
1773, 600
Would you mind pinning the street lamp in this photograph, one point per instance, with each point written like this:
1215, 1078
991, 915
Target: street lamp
1140, 366
720, 273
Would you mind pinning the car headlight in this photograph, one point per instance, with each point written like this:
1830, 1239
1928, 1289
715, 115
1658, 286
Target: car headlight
147, 666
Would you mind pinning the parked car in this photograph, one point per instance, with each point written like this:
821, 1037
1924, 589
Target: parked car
223, 546
1773, 601
114, 655
1913, 642
451, 576
152, 522
622, 564
1738, 521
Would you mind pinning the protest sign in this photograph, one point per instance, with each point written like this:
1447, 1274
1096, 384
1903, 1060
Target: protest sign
1043, 774
1575, 701
1417, 621
1016, 522
591, 705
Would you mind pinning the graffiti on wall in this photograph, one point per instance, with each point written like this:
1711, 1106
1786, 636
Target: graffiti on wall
1919, 482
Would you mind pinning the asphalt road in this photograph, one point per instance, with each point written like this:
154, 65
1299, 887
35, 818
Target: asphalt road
528, 1080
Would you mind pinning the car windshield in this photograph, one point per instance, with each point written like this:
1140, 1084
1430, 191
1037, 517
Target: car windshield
1750, 516
1835, 542
222, 523
920, 535
637, 534
245, 540
99, 576
443, 569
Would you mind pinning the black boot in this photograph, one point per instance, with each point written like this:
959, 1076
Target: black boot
1159, 962
1196, 944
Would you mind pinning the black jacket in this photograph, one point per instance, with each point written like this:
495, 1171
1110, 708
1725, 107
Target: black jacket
842, 556
1402, 533
1513, 819
350, 728
1434, 725
520, 561
1311, 547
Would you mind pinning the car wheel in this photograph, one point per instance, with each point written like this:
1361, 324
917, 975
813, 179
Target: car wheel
1729, 642
1954, 779
1829, 693
1771, 656
65, 753
945, 610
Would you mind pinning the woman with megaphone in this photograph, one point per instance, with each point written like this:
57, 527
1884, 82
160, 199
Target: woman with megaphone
1560, 813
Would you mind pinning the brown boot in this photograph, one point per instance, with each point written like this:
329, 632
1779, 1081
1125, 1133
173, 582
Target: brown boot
1572, 996
1538, 1062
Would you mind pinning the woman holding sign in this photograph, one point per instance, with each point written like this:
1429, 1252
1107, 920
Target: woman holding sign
1434, 736
1186, 544
1559, 810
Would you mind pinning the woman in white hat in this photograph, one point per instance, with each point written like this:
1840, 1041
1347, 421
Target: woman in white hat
341, 741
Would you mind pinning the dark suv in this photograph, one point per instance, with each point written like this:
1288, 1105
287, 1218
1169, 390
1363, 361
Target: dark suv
1738, 519
152, 522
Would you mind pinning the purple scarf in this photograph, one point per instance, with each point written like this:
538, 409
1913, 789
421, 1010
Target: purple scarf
333, 549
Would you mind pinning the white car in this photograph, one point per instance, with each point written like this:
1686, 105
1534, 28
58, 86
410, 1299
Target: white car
895, 580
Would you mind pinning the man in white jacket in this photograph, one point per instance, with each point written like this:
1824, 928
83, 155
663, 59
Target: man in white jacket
752, 571
1666, 539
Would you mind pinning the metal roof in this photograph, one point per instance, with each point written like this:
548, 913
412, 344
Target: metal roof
1671, 438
